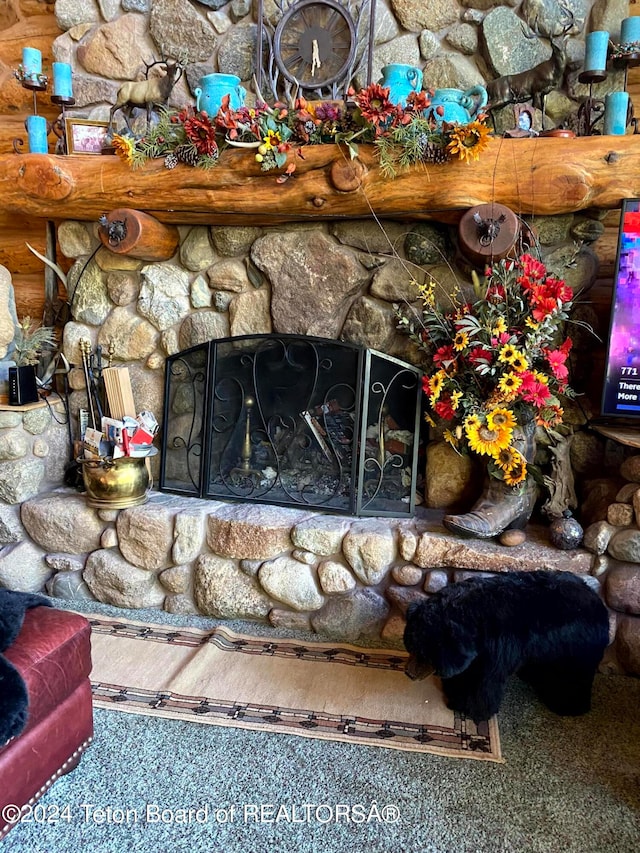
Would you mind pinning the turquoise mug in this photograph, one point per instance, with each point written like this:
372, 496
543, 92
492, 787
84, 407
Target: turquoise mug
457, 107
402, 80
213, 88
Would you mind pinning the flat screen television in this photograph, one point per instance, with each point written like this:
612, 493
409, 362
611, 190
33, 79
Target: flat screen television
621, 393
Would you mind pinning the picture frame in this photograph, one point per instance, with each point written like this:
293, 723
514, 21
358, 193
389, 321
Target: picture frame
85, 136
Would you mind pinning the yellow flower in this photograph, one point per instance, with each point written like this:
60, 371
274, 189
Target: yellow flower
509, 384
435, 385
541, 377
450, 438
272, 139
460, 341
456, 396
468, 141
499, 327
471, 422
500, 419
429, 420
530, 323
485, 441
124, 146
517, 473
507, 458
507, 353
520, 363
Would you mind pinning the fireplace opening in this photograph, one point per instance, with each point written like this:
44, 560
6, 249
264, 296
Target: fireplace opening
294, 421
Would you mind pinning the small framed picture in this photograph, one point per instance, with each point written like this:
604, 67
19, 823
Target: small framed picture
84, 136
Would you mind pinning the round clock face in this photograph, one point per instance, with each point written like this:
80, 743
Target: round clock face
315, 43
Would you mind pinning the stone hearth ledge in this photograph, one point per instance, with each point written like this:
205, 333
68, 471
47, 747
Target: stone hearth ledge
340, 576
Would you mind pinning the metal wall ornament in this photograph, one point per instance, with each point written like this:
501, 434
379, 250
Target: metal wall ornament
315, 48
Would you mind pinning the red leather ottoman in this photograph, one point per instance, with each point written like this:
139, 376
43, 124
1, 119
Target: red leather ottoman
52, 653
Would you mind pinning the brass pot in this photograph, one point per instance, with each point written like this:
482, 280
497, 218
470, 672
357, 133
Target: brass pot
116, 483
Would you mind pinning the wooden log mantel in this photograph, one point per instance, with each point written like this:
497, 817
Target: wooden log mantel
540, 176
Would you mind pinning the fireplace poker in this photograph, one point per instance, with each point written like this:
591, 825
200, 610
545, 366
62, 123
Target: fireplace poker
85, 345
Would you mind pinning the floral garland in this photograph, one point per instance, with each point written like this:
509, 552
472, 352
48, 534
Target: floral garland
497, 363
404, 135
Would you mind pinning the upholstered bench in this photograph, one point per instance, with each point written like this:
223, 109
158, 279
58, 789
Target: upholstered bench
52, 653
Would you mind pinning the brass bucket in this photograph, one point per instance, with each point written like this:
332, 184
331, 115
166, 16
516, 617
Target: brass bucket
116, 483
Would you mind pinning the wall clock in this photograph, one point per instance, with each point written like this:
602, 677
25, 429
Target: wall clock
315, 43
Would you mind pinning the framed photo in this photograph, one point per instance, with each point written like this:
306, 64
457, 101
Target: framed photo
84, 136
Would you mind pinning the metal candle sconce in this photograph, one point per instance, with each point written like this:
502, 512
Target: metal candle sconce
616, 110
30, 76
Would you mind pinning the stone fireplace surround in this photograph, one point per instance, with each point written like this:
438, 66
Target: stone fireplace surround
343, 577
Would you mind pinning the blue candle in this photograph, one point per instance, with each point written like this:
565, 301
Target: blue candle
630, 30
31, 62
596, 45
616, 106
37, 130
62, 80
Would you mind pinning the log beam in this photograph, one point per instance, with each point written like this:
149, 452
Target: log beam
531, 176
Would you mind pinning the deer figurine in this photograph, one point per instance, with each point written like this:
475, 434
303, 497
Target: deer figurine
147, 93
533, 85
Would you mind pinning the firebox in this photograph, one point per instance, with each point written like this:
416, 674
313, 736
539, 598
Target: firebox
294, 421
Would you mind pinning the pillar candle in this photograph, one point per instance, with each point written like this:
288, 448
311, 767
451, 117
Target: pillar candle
596, 45
62, 80
31, 62
630, 31
37, 130
616, 106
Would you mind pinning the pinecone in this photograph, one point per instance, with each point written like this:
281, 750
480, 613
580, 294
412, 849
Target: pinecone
170, 161
187, 153
434, 153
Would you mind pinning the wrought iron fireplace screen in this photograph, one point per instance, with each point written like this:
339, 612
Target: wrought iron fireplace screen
295, 421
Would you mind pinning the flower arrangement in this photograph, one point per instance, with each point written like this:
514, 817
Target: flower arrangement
497, 363
403, 135
30, 340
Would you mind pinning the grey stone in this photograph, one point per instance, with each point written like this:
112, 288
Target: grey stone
237, 52
451, 70
320, 534
145, 535
622, 588
114, 49
630, 469
407, 543
200, 293
177, 26
64, 562
189, 535
426, 244
463, 37
113, 580
415, 15
228, 274
88, 91
509, 51
305, 557
136, 5
370, 549
286, 580
407, 575
70, 13
371, 236
435, 581
201, 327
36, 421
252, 532
22, 568
547, 18
13, 445
429, 45
628, 644
62, 521
88, 291
395, 281
230, 240
164, 295
290, 619
624, 545
361, 613
620, 515
299, 265
196, 251
369, 323
69, 586
131, 336
176, 579
335, 577
220, 21
249, 313
222, 590
123, 286
250, 567
597, 537
109, 538
10, 419
109, 8
403, 49
20, 480
179, 604
607, 15
587, 229
403, 596
76, 238
11, 530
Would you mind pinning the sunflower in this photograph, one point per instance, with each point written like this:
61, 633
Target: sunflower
517, 473
460, 341
506, 458
485, 441
468, 141
500, 419
498, 327
472, 422
450, 438
509, 384
519, 363
124, 146
508, 353
435, 386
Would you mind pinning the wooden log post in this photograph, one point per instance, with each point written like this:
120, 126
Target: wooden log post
132, 232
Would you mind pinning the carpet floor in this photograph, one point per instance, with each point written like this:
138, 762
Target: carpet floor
568, 785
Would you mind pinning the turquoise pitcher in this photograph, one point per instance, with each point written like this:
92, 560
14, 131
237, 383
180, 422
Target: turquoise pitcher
213, 88
402, 80
456, 106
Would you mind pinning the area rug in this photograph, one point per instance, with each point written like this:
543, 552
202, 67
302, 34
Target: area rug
333, 691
